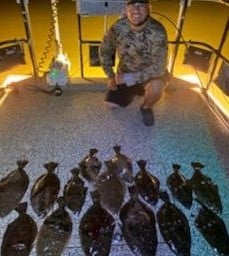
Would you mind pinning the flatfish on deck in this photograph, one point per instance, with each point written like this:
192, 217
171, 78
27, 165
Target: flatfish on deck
213, 229
147, 184
174, 227
122, 165
55, 232
180, 187
75, 192
205, 190
110, 189
96, 229
90, 165
20, 234
45, 190
13, 188
138, 226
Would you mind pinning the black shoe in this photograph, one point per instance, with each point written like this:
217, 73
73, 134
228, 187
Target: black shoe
147, 116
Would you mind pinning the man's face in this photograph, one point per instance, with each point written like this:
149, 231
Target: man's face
137, 13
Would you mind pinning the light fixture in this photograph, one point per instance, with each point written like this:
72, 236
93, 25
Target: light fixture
198, 58
11, 55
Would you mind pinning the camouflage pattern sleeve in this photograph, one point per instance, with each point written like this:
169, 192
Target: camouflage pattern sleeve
157, 66
107, 52
143, 53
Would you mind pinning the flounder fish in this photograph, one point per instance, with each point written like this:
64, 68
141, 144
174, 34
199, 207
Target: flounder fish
13, 188
90, 165
147, 184
55, 232
180, 187
213, 229
205, 190
122, 165
45, 190
96, 229
174, 227
110, 189
75, 192
20, 234
138, 226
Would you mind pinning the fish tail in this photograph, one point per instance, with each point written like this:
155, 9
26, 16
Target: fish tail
21, 208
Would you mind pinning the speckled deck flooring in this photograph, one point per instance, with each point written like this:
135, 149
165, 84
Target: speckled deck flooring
43, 128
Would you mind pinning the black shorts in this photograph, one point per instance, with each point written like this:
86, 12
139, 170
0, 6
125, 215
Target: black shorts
124, 95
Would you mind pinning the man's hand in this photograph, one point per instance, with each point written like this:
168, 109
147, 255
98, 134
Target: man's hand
111, 84
119, 78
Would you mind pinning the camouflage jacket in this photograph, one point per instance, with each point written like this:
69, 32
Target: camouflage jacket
144, 52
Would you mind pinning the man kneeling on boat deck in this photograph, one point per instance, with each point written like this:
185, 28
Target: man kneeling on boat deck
141, 45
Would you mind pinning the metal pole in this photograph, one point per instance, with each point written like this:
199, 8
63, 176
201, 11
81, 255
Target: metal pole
28, 30
180, 22
80, 46
223, 39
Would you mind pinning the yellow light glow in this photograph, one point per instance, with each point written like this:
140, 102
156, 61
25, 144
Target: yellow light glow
194, 79
190, 78
64, 60
9, 80
218, 104
3, 97
13, 79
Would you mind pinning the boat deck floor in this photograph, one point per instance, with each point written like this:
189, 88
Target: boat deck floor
42, 128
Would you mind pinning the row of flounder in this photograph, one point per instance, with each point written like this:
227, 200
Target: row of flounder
136, 216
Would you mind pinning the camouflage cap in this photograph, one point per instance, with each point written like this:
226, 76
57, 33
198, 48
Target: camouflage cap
137, 1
